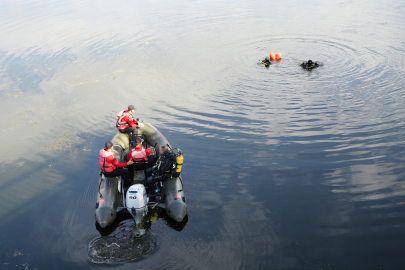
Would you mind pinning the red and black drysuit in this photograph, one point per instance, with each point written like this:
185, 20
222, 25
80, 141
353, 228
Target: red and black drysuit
141, 157
139, 154
111, 167
126, 124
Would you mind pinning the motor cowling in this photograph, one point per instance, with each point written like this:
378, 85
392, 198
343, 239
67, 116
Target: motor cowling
137, 202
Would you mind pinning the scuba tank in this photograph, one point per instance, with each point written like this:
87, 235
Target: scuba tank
177, 161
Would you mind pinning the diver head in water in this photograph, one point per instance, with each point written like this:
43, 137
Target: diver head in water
266, 62
310, 64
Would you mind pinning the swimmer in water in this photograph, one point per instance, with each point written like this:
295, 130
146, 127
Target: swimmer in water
266, 62
310, 65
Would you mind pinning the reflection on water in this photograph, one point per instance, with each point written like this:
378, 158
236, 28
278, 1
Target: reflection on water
284, 168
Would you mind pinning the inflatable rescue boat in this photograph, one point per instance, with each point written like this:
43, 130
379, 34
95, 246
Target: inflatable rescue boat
138, 200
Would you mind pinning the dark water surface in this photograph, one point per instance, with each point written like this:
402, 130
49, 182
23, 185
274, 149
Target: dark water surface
284, 168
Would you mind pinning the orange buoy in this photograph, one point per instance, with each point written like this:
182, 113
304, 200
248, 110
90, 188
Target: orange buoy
278, 56
272, 56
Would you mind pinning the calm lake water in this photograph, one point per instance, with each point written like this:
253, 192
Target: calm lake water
284, 168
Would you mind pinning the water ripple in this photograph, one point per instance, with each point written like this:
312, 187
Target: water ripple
128, 243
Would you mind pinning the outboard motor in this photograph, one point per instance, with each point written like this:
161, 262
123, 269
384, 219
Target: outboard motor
137, 202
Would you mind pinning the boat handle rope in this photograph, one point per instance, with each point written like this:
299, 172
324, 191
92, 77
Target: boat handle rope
99, 184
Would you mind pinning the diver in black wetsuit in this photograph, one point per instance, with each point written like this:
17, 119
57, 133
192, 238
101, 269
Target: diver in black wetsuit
266, 62
310, 65
161, 171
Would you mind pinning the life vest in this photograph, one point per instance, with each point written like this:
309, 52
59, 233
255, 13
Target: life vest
139, 155
102, 161
120, 124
